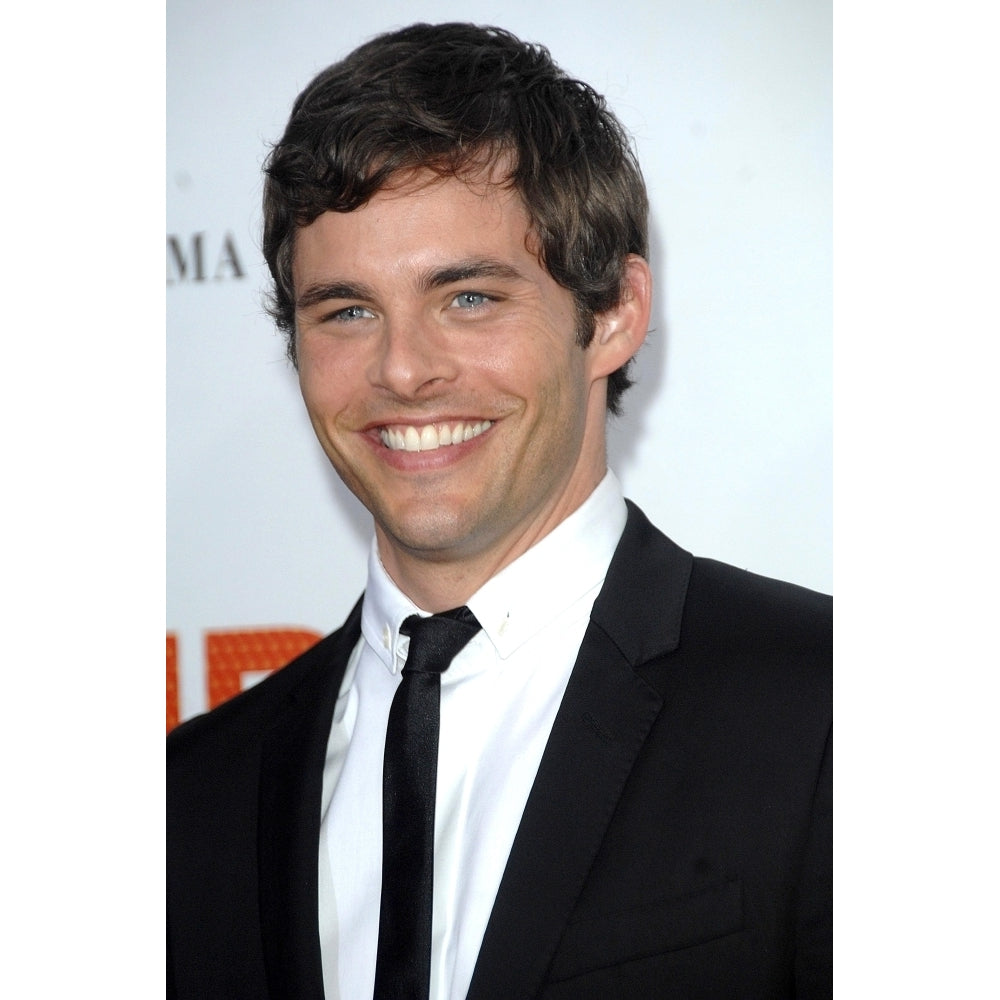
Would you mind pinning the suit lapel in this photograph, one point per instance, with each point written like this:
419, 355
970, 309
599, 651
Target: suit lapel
602, 723
291, 782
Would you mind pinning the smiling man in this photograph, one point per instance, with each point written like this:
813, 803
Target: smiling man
439, 363
550, 753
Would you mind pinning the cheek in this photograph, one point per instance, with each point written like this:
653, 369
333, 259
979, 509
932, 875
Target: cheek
527, 356
326, 378
311, 384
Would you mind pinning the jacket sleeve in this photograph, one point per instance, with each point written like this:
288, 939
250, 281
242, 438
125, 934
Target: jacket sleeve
814, 917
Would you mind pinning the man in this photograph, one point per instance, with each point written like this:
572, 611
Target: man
631, 796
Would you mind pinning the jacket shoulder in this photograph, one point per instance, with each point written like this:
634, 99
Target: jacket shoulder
659, 598
684, 619
734, 608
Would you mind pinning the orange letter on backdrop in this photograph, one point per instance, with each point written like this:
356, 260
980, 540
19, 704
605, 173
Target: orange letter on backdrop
173, 710
233, 657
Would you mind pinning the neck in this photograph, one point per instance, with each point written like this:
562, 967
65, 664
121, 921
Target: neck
439, 581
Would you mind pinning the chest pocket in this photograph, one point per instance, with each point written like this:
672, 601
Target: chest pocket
613, 938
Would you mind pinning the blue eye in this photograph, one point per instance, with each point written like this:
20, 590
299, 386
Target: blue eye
471, 300
351, 313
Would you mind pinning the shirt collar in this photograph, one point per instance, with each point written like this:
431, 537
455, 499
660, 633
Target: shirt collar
385, 608
536, 589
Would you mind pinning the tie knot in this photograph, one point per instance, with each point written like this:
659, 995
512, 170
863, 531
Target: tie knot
437, 640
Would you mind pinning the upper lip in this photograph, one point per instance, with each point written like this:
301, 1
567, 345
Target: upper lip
396, 422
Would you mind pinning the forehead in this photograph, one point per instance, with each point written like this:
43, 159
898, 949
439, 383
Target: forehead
420, 219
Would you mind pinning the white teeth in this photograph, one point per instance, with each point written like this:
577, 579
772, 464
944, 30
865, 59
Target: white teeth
431, 436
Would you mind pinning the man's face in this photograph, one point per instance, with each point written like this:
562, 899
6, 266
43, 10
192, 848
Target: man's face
439, 365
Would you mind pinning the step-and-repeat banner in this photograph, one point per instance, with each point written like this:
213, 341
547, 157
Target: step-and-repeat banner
726, 440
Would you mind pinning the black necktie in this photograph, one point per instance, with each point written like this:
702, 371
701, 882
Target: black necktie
409, 784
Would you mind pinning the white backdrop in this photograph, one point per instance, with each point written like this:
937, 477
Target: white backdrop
726, 440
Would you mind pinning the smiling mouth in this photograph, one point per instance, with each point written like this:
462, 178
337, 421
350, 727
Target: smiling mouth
430, 437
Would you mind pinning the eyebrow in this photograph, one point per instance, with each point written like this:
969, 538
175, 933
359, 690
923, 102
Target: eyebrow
325, 291
469, 270
466, 270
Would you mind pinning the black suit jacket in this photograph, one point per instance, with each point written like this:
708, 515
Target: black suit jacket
676, 842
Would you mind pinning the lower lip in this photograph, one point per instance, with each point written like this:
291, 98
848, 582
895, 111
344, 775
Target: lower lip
417, 461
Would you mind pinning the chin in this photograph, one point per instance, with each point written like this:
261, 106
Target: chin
433, 532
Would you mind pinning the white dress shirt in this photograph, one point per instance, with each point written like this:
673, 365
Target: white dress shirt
499, 699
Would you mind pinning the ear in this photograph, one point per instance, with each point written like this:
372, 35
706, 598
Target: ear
620, 332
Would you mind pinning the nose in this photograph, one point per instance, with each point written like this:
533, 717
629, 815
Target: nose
412, 357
